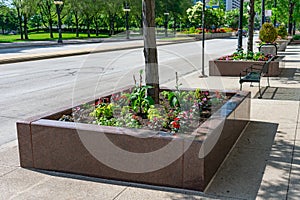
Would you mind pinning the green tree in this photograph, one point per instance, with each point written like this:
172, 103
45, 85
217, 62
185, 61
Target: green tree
214, 17
47, 13
232, 18
8, 18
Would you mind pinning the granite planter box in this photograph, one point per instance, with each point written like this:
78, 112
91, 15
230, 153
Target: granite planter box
48, 144
282, 44
211, 35
234, 67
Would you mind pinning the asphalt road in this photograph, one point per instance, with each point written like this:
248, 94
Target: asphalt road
36, 87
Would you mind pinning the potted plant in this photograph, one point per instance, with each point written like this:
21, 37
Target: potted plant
267, 35
282, 37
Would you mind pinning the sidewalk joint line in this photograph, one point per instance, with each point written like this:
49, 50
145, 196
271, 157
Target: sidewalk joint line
120, 193
293, 152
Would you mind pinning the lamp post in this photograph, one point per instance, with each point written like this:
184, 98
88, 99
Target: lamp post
126, 10
166, 14
58, 5
263, 18
240, 30
275, 5
203, 38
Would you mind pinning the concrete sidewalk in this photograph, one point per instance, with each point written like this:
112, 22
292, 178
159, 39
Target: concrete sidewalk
264, 164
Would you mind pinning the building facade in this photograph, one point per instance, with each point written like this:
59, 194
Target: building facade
229, 4
232, 4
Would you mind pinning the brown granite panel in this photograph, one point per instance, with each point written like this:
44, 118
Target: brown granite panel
233, 68
25, 145
193, 166
230, 133
61, 149
242, 112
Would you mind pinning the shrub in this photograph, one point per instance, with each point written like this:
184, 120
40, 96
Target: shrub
282, 32
296, 37
268, 33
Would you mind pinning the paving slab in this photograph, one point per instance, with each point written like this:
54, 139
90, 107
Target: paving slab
4, 170
275, 111
282, 151
275, 181
146, 194
55, 187
287, 131
9, 157
8, 129
258, 135
294, 186
241, 173
298, 132
14, 184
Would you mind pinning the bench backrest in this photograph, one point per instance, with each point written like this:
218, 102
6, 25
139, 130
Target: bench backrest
265, 67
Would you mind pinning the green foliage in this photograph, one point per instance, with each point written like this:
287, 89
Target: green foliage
214, 17
232, 18
282, 32
296, 37
268, 33
139, 100
240, 55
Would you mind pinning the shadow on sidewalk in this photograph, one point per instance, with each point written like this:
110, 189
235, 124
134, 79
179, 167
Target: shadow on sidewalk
280, 93
239, 177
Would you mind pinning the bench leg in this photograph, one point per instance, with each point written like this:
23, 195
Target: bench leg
260, 96
241, 86
268, 81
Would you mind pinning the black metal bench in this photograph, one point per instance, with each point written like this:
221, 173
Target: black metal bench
253, 75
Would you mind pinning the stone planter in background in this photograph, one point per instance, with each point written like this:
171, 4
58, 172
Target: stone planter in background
234, 67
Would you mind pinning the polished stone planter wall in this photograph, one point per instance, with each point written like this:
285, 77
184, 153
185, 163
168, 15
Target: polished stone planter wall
45, 143
211, 35
234, 67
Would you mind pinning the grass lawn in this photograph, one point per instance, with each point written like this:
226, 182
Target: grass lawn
46, 36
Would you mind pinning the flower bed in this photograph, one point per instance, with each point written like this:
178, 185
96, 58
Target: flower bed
232, 65
197, 144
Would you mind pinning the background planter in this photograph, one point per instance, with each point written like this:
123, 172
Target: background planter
45, 143
211, 35
234, 67
282, 44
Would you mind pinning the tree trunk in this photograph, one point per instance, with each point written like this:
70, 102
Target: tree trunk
51, 28
25, 27
88, 29
291, 11
111, 24
150, 49
20, 23
294, 28
96, 26
251, 26
77, 24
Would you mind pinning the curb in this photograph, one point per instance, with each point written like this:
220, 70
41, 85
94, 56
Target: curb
81, 52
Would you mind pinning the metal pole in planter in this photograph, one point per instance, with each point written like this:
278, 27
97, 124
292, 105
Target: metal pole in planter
275, 5
262, 12
240, 30
166, 14
127, 10
58, 5
203, 37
